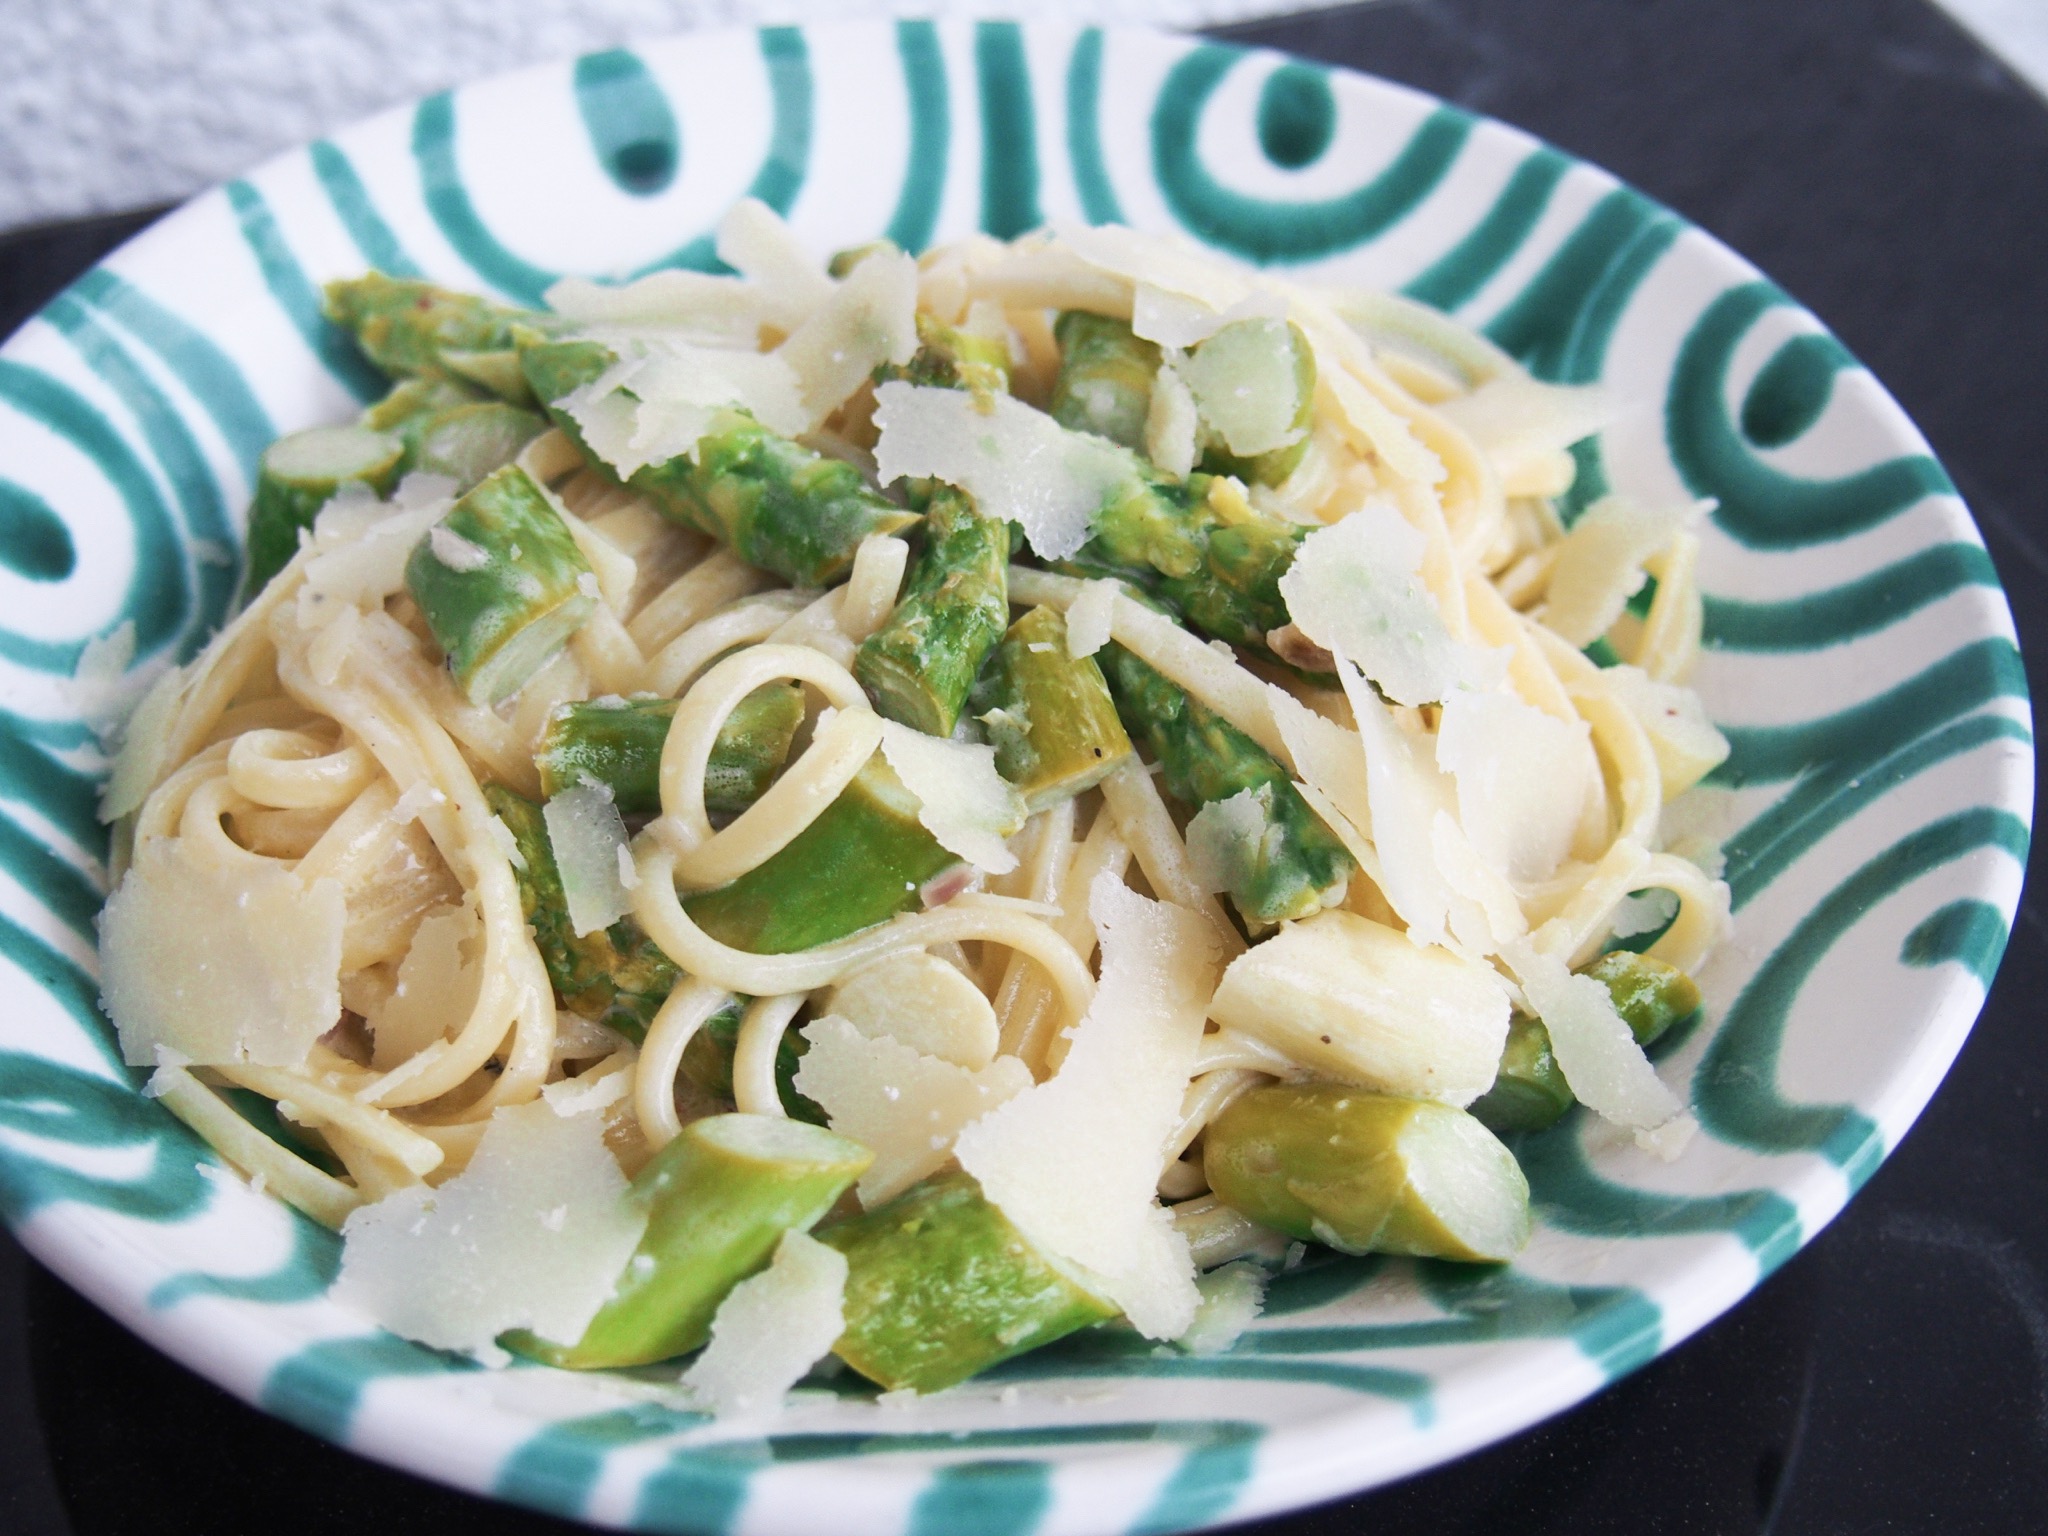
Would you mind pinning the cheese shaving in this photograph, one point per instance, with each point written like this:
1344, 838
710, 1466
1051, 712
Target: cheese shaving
1600, 564
360, 546
1090, 618
1173, 423
786, 279
1521, 423
1404, 793
1688, 745
533, 1234
1075, 1161
962, 800
1018, 463
869, 320
1522, 778
437, 986
923, 1002
1232, 1298
588, 837
771, 1329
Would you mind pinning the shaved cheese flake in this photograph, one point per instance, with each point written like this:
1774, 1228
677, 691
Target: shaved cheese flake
587, 835
1018, 463
921, 1001
454, 551
144, 741
1091, 616
962, 800
1232, 1298
665, 393
1600, 564
100, 689
871, 319
1160, 262
1520, 423
1173, 423
1075, 1161
904, 1106
1330, 758
698, 303
437, 986
1522, 779
1227, 839
533, 1234
607, 421
361, 546
1243, 379
220, 961
1688, 745
1484, 911
771, 1329
1404, 793
1598, 1054
789, 282
1355, 1000
1355, 587
1177, 321
574, 1095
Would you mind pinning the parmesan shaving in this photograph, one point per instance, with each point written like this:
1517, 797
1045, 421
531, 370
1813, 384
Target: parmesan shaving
532, 1234
1176, 321
220, 962
146, 738
871, 319
1522, 779
456, 552
1600, 564
904, 1106
962, 800
360, 546
1522, 424
1172, 423
1688, 745
771, 1329
789, 283
1243, 380
1224, 839
437, 986
1232, 1298
1090, 617
1075, 1161
1018, 463
588, 838
1404, 794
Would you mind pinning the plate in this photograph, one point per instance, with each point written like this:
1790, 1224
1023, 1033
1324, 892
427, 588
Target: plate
1861, 660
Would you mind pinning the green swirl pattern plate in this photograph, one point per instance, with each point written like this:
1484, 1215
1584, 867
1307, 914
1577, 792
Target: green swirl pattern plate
1862, 661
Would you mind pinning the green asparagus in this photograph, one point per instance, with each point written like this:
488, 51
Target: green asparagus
467, 442
1105, 378
718, 1199
1049, 715
413, 400
413, 328
615, 975
1289, 864
1250, 377
919, 666
941, 1286
298, 475
618, 742
777, 504
950, 358
1650, 995
502, 585
1368, 1173
860, 863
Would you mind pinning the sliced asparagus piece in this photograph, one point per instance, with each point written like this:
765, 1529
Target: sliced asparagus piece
919, 666
941, 1286
413, 400
413, 328
1049, 714
1285, 863
467, 442
298, 475
1531, 1092
614, 975
1366, 1173
1250, 377
617, 743
777, 504
860, 863
950, 358
718, 1198
707, 1062
502, 585
1105, 378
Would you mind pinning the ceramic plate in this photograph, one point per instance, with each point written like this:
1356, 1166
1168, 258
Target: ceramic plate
1861, 661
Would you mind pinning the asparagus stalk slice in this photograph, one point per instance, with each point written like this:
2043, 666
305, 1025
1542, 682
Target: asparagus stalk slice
413, 400
950, 358
467, 442
1367, 1173
502, 585
1285, 866
1105, 378
618, 743
718, 1198
1249, 369
707, 1062
860, 863
919, 666
1049, 714
1531, 1092
298, 475
777, 504
412, 328
614, 975
941, 1286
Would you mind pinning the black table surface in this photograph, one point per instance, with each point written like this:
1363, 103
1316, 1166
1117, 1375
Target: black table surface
1893, 1377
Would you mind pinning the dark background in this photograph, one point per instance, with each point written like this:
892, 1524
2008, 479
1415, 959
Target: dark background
1891, 1378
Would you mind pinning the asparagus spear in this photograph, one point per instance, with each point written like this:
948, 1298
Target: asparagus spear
615, 975
618, 743
1531, 1092
1368, 1173
950, 358
775, 502
466, 442
413, 328
1289, 864
919, 666
1049, 714
1105, 378
718, 1198
501, 583
707, 1062
860, 863
298, 475
941, 1286
1244, 376
413, 400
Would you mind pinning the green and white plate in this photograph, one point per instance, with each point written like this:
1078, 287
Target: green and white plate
1862, 662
